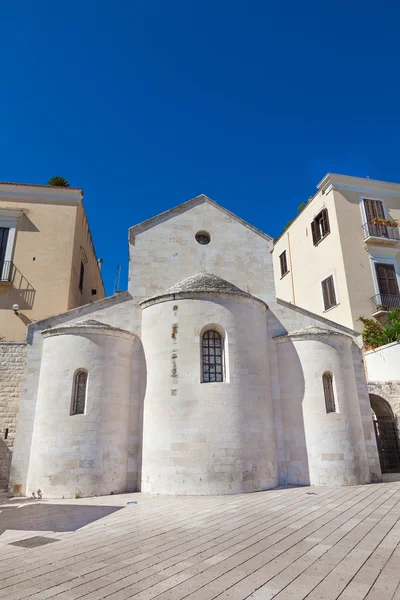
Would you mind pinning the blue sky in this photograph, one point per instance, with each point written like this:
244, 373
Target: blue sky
147, 104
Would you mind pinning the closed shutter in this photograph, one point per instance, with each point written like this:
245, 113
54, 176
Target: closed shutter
387, 279
328, 291
373, 210
283, 261
316, 235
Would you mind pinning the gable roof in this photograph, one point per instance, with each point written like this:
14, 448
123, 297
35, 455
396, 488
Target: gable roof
176, 210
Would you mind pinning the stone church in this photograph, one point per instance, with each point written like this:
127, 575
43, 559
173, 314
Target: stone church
197, 380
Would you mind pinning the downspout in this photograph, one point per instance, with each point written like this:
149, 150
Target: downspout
291, 268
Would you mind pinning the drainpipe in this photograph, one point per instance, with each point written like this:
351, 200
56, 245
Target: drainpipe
291, 268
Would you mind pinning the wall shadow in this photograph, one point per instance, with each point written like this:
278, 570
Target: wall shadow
287, 376
52, 517
5, 462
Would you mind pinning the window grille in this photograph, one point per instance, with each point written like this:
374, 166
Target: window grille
212, 357
328, 393
79, 393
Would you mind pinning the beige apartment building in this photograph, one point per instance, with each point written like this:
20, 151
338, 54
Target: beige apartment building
48, 262
340, 257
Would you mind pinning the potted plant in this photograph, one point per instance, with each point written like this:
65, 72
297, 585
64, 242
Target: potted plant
385, 222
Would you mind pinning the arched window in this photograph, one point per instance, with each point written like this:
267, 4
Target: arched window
212, 357
328, 392
79, 392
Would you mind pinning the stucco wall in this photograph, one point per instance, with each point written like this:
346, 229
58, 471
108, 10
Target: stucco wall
356, 253
83, 249
42, 256
309, 264
383, 364
343, 253
12, 365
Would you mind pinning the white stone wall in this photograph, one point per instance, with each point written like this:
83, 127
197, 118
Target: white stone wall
329, 447
12, 365
207, 438
86, 454
167, 252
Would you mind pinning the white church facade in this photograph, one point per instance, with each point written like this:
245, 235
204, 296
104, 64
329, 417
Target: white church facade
197, 380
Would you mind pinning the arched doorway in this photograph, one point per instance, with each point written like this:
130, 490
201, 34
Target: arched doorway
387, 438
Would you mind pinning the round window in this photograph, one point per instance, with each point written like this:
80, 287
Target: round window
203, 237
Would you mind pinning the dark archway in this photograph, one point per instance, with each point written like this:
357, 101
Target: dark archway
387, 438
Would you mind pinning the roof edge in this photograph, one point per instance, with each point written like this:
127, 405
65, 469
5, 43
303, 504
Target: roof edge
201, 198
341, 328
83, 310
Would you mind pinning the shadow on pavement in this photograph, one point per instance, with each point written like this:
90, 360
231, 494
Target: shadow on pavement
52, 517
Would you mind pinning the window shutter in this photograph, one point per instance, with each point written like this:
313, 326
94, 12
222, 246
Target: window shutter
387, 279
325, 221
332, 295
328, 291
316, 236
373, 209
283, 262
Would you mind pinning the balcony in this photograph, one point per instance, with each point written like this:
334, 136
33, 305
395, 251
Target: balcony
381, 234
382, 303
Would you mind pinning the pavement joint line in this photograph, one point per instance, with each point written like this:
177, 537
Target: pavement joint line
221, 561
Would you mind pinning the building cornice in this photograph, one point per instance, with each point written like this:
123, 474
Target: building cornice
360, 185
13, 192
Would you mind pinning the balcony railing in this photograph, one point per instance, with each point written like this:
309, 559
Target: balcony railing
7, 271
385, 301
381, 231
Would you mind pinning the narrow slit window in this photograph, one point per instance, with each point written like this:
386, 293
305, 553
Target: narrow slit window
212, 357
79, 393
328, 393
81, 276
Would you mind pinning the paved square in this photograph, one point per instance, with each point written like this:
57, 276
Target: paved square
287, 544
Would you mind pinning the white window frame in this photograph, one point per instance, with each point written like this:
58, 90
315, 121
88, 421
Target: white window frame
388, 260
8, 219
333, 274
362, 207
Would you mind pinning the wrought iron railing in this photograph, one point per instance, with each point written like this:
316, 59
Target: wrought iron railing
381, 231
386, 301
7, 271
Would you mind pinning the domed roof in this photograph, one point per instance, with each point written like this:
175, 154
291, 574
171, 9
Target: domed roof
311, 330
205, 282
88, 325
201, 283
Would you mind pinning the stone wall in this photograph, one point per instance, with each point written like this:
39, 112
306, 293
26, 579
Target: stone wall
12, 365
389, 391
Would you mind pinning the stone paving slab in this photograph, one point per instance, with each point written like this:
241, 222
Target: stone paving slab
287, 544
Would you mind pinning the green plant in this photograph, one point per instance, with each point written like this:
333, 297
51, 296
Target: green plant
301, 207
385, 222
375, 335
58, 182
